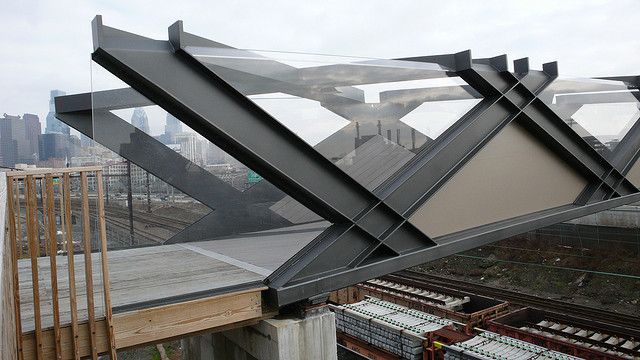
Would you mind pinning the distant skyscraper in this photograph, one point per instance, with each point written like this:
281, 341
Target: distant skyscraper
55, 126
140, 120
18, 139
173, 126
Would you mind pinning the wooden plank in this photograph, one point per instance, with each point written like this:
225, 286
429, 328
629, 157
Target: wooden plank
174, 320
34, 247
13, 244
102, 228
67, 340
68, 233
53, 252
44, 219
86, 235
18, 222
161, 323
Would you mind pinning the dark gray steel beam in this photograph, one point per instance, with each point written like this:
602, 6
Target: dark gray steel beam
448, 245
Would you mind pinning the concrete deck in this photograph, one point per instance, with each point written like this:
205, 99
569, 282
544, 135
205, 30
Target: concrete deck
150, 276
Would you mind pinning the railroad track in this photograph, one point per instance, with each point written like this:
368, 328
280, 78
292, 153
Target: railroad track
417, 279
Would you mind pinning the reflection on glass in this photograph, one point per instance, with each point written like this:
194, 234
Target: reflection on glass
601, 111
369, 116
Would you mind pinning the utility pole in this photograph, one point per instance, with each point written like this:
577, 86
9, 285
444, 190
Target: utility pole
130, 201
148, 194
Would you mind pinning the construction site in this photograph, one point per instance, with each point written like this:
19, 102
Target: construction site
425, 208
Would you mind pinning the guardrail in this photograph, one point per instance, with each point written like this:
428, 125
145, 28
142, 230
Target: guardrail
43, 199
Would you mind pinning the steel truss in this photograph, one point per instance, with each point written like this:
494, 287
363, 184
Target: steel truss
371, 234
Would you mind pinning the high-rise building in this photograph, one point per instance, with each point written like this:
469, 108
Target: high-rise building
33, 129
55, 126
19, 139
140, 120
58, 146
190, 147
172, 127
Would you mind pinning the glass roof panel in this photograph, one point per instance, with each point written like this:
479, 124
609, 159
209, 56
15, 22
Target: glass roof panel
369, 116
601, 111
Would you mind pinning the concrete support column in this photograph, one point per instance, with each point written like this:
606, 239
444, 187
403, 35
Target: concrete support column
313, 337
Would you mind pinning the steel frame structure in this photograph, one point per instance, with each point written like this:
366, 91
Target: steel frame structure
371, 234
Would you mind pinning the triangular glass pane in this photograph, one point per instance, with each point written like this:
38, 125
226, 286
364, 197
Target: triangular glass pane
608, 123
601, 111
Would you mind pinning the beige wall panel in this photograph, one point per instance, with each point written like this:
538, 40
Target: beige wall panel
634, 174
514, 174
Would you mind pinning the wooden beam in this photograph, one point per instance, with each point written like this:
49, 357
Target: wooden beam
160, 323
19, 174
34, 249
68, 233
169, 321
50, 213
102, 232
88, 267
13, 245
67, 340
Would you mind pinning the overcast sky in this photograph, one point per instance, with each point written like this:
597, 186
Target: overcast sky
46, 44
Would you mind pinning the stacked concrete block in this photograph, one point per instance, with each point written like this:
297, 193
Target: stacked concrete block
492, 346
444, 301
396, 329
588, 338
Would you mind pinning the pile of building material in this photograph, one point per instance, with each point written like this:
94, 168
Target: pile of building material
582, 337
444, 301
492, 346
396, 329
596, 340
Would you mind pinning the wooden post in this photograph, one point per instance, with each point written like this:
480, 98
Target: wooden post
44, 218
14, 265
102, 228
34, 248
68, 233
50, 213
18, 223
88, 270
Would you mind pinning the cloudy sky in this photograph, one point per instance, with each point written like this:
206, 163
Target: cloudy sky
46, 44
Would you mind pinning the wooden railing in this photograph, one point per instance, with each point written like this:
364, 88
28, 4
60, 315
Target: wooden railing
43, 199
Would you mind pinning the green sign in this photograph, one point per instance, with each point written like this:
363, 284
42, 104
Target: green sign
253, 177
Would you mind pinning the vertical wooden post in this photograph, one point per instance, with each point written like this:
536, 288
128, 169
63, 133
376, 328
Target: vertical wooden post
44, 218
88, 270
34, 248
102, 228
18, 222
14, 265
68, 233
50, 213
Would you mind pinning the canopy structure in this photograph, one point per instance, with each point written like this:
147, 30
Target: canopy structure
401, 161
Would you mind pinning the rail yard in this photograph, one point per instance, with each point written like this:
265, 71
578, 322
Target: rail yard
413, 315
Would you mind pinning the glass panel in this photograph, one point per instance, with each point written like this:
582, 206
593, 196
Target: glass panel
601, 111
246, 196
369, 116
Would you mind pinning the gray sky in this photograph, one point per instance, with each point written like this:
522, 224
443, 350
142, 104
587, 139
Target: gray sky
47, 44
